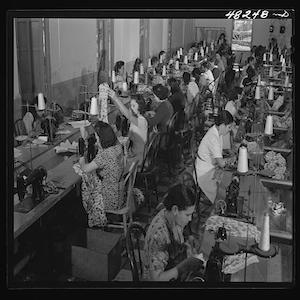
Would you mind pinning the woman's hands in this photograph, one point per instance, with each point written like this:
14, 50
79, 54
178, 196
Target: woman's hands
112, 94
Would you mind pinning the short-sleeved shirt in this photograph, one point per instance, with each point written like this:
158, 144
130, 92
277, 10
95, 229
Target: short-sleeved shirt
210, 148
192, 90
208, 75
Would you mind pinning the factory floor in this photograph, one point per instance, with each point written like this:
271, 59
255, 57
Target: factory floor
39, 269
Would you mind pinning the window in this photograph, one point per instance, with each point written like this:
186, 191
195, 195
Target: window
241, 35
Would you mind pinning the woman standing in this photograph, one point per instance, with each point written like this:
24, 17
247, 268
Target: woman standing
166, 256
209, 155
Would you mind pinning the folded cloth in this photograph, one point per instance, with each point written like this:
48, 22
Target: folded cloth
235, 263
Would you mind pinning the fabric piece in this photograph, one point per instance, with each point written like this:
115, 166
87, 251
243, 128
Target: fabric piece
102, 102
92, 198
235, 263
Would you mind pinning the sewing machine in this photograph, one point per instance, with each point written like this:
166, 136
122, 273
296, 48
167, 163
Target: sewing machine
91, 147
35, 179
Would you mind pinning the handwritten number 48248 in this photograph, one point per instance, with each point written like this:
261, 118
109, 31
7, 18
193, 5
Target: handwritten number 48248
238, 14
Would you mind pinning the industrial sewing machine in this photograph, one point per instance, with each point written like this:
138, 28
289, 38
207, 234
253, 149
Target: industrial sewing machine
35, 179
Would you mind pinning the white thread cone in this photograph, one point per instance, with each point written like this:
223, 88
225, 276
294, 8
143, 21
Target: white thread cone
160, 59
204, 44
271, 72
41, 102
257, 93
269, 125
83, 132
178, 54
264, 243
124, 86
206, 49
196, 56
258, 80
113, 76
283, 68
180, 51
271, 57
185, 60
164, 72
201, 51
271, 93
149, 63
212, 46
286, 82
141, 69
281, 57
94, 110
177, 65
265, 57
136, 77
243, 160
283, 61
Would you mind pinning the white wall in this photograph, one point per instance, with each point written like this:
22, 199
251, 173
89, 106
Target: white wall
189, 32
73, 48
126, 41
165, 34
177, 33
155, 36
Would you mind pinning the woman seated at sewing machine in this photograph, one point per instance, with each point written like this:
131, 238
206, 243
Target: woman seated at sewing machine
109, 165
167, 255
210, 155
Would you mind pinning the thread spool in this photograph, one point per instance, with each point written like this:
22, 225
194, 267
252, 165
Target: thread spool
41, 102
269, 125
271, 72
257, 93
258, 80
124, 86
178, 54
136, 77
196, 56
180, 51
243, 160
283, 68
149, 63
83, 132
206, 50
94, 110
164, 71
283, 61
212, 46
271, 57
264, 243
201, 51
160, 59
185, 60
286, 82
141, 69
281, 57
154, 71
265, 57
113, 76
204, 44
271, 93
177, 65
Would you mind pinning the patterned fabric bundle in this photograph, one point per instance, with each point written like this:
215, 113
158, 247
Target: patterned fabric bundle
103, 95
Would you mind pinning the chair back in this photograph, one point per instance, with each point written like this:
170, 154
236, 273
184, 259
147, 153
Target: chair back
134, 237
20, 128
128, 185
151, 151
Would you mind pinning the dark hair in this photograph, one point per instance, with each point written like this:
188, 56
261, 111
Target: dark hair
186, 76
106, 134
141, 103
119, 64
154, 59
250, 72
181, 196
206, 65
196, 73
247, 81
224, 117
249, 59
161, 53
161, 91
174, 85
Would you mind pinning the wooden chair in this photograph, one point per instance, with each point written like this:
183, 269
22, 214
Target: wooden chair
149, 168
134, 243
20, 128
126, 211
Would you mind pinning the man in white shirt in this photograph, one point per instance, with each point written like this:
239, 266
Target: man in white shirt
208, 75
